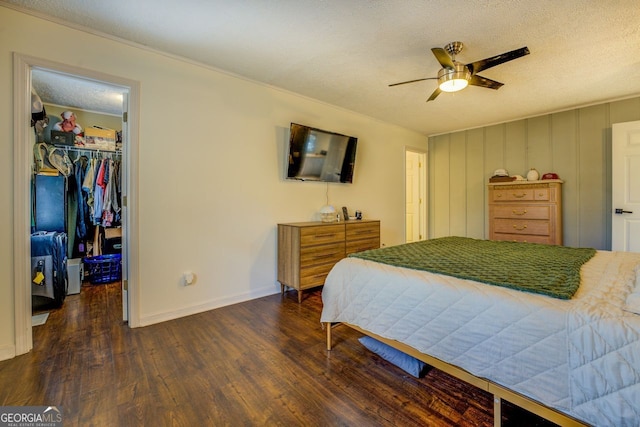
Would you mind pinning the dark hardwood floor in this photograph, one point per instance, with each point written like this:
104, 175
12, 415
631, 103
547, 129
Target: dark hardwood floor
258, 363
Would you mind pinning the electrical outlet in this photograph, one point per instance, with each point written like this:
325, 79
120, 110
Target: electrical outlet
188, 277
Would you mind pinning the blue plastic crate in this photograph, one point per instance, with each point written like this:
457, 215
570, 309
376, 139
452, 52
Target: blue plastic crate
103, 268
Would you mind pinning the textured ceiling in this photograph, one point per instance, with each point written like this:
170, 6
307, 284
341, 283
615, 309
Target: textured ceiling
347, 52
63, 90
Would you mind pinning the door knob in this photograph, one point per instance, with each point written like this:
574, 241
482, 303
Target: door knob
620, 211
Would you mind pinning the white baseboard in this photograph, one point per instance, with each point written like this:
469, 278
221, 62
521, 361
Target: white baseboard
206, 306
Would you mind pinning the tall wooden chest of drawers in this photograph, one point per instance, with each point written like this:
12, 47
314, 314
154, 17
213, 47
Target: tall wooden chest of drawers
526, 211
308, 250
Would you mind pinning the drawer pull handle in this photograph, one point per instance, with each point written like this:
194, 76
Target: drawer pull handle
519, 228
519, 213
323, 256
325, 235
519, 196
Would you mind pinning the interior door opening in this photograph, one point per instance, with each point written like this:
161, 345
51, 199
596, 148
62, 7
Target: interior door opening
82, 120
90, 115
34, 73
415, 195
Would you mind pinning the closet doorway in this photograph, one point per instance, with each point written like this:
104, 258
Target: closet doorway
30, 72
415, 195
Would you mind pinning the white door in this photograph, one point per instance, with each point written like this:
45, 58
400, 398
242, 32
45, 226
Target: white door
625, 180
415, 187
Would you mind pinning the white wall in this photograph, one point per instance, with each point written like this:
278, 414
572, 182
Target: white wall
200, 208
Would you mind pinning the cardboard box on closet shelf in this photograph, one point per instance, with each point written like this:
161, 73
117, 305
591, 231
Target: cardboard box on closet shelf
100, 138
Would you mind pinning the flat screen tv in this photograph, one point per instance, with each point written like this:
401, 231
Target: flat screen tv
320, 155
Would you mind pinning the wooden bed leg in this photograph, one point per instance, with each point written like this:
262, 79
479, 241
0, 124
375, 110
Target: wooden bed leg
328, 326
497, 411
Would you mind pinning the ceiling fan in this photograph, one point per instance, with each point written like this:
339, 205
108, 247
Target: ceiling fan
455, 76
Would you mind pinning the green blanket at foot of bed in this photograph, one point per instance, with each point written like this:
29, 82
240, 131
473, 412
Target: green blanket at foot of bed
544, 269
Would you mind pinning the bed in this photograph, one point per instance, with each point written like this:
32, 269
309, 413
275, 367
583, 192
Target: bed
572, 358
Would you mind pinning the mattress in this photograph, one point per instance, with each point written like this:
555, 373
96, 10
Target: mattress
580, 356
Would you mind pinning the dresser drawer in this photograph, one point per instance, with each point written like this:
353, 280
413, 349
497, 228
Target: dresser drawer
519, 194
363, 245
521, 211
513, 194
311, 276
515, 226
362, 236
541, 194
523, 238
322, 254
321, 234
362, 230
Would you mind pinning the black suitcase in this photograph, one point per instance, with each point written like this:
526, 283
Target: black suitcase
49, 266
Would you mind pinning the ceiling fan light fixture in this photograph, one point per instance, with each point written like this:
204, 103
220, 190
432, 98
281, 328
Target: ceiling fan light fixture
454, 79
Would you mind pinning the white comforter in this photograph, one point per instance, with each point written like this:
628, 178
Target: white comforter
581, 356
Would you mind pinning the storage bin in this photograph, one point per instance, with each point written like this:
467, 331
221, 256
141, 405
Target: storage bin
104, 139
112, 243
74, 275
103, 268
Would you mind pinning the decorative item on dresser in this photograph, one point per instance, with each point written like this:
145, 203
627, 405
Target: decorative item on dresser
308, 250
526, 211
533, 175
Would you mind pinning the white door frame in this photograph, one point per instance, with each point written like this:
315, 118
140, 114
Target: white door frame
23, 158
422, 191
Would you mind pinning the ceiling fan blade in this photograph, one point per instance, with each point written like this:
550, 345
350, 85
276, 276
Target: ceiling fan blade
443, 57
483, 64
477, 80
413, 81
434, 95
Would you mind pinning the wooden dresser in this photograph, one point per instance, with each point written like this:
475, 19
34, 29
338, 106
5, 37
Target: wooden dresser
308, 250
526, 211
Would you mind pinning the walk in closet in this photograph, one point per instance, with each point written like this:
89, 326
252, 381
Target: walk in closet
77, 187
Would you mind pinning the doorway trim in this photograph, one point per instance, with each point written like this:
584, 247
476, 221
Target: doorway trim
422, 220
22, 166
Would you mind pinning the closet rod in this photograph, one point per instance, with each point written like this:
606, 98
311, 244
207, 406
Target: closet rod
91, 151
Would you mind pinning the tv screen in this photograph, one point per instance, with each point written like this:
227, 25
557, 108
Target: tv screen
319, 155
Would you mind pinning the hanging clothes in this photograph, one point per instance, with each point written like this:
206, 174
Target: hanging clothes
88, 184
81, 166
115, 191
107, 213
98, 193
95, 202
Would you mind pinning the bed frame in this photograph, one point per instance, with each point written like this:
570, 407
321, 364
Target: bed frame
499, 392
